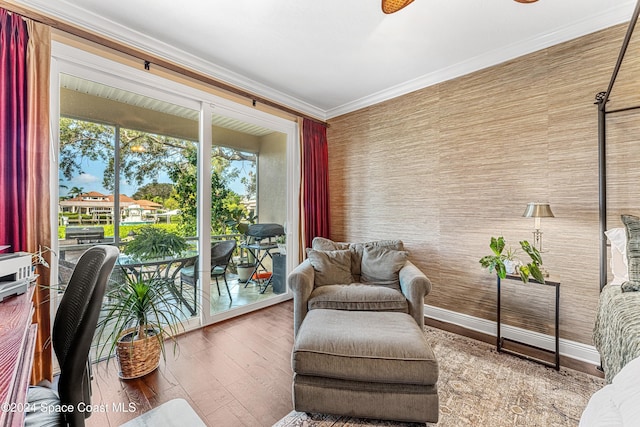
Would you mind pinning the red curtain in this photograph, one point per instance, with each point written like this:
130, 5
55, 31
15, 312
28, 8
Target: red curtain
24, 157
315, 181
13, 130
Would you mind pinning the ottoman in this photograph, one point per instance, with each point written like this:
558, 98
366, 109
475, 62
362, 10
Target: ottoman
364, 364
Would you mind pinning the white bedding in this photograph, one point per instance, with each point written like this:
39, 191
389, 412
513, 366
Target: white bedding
616, 404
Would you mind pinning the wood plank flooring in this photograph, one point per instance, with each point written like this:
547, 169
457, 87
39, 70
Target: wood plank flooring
234, 373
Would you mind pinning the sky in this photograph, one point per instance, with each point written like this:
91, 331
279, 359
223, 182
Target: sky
91, 180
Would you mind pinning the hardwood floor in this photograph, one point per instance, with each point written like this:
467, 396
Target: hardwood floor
234, 373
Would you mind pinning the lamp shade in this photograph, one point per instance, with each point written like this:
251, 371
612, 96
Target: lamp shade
537, 210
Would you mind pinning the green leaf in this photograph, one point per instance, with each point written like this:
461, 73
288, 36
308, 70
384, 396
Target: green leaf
501, 270
537, 273
487, 261
533, 253
497, 245
524, 273
495, 261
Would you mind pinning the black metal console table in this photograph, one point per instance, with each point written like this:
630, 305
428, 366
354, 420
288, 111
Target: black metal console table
500, 339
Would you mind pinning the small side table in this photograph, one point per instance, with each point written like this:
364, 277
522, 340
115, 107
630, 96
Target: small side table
500, 339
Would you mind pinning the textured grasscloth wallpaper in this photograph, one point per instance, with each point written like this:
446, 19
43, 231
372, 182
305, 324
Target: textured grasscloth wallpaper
446, 167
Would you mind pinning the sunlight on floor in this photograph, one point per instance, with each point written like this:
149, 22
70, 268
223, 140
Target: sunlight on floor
241, 294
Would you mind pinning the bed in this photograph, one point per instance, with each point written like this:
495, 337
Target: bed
616, 333
617, 325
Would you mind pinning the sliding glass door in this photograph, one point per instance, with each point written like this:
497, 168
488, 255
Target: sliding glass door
137, 152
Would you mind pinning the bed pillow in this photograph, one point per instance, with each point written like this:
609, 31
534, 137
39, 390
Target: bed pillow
619, 268
632, 227
331, 267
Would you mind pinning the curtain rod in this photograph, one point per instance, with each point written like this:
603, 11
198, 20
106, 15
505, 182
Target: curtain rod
148, 58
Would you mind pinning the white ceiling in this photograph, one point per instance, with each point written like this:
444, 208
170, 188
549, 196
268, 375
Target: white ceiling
329, 57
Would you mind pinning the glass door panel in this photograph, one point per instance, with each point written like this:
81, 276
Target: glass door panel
241, 155
128, 177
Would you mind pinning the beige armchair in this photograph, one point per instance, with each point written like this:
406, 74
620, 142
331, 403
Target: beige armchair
374, 276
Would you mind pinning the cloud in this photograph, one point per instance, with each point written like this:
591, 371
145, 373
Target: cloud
85, 178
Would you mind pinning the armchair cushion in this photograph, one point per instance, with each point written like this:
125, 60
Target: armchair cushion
381, 266
331, 267
358, 297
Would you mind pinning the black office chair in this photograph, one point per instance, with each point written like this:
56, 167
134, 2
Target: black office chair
221, 253
73, 330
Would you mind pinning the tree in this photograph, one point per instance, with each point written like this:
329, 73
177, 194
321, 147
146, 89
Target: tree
225, 203
143, 155
250, 185
154, 191
75, 191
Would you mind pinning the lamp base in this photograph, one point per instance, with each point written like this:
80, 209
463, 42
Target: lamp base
537, 240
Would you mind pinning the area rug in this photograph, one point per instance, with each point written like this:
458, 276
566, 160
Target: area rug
480, 387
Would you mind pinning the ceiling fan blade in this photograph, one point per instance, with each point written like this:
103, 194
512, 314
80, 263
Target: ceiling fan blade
391, 6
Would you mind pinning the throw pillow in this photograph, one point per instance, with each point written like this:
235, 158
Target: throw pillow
381, 266
358, 249
618, 262
331, 267
322, 244
632, 226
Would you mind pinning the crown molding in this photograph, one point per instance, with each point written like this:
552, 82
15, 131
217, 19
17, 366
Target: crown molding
98, 24
113, 30
616, 15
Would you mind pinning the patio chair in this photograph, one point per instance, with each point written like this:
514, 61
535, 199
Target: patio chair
221, 253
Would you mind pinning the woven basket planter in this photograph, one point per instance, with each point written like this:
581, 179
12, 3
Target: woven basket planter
137, 358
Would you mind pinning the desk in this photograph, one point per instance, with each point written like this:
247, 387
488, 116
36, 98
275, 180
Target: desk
500, 339
260, 251
17, 344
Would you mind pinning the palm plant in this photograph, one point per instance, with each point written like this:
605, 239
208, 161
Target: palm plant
136, 310
155, 243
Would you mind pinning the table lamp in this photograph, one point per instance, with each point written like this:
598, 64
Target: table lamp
537, 211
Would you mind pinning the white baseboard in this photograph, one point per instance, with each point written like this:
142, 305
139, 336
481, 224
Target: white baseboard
572, 349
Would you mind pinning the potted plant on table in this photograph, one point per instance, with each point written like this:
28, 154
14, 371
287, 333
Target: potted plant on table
155, 243
496, 261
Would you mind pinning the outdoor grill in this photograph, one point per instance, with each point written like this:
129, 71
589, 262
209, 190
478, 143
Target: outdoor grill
264, 231
85, 234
